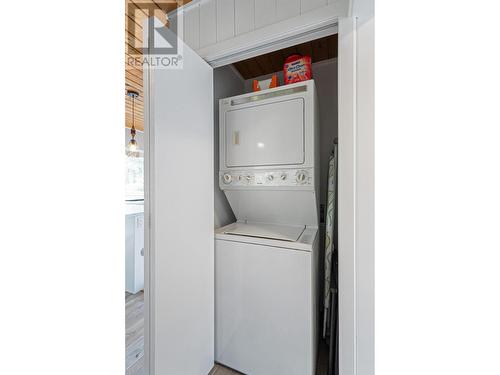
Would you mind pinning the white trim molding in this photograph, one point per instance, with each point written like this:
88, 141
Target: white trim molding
356, 196
285, 34
149, 308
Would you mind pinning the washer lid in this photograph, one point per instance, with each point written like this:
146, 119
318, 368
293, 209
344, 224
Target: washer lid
273, 231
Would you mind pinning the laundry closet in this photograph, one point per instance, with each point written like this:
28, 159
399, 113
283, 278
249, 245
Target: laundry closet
257, 170
272, 155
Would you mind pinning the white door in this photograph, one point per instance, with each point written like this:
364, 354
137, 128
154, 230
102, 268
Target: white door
265, 134
180, 199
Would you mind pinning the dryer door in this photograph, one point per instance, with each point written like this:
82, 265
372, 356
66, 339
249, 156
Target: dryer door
265, 134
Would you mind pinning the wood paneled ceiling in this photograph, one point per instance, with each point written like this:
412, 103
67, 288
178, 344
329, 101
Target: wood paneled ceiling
134, 17
319, 49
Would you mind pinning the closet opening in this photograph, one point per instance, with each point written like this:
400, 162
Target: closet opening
238, 80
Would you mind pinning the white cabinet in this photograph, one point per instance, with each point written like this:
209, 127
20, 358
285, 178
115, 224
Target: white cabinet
134, 252
265, 309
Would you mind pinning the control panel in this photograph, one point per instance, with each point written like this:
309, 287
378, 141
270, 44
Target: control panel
283, 177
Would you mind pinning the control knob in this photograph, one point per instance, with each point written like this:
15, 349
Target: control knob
227, 178
283, 176
270, 177
301, 177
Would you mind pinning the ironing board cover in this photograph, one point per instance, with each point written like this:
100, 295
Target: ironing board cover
329, 247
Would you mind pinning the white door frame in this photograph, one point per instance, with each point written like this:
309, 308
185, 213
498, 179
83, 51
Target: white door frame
356, 196
347, 190
148, 230
347, 196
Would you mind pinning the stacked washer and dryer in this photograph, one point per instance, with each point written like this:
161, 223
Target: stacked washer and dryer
266, 262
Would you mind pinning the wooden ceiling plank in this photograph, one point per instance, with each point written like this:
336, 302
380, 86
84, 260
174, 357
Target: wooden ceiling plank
132, 22
320, 50
332, 47
131, 86
242, 68
133, 39
277, 60
335, 42
250, 68
138, 126
246, 69
306, 49
132, 48
138, 116
135, 71
138, 8
138, 106
134, 81
267, 63
258, 67
137, 79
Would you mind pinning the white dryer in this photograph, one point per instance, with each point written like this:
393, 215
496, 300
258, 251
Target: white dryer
266, 263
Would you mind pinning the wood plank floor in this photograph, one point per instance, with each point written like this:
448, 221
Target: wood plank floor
134, 333
134, 342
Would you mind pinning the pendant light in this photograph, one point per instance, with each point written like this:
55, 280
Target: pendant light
133, 147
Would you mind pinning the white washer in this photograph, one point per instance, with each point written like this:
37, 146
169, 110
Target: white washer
266, 298
266, 262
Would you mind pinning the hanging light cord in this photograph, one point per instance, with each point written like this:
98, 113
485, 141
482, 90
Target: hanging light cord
132, 131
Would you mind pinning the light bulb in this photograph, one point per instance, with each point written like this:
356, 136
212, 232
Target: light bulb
133, 149
132, 145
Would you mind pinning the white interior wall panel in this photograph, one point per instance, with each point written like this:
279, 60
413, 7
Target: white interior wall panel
307, 5
212, 27
287, 9
265, 12
225, 19
227, 82
192, 27
208, 23
244, 16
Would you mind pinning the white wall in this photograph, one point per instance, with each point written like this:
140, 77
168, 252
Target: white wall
227, 82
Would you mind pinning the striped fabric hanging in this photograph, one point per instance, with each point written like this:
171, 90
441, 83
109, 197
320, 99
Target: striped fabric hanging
329, 246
